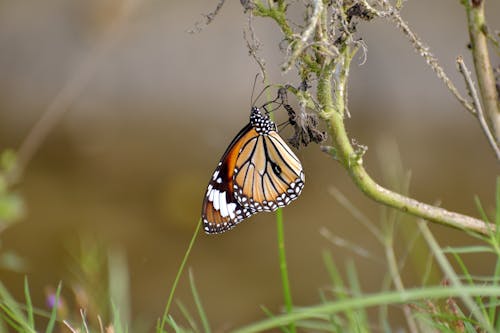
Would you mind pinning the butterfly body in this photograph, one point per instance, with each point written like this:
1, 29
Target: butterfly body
258, 172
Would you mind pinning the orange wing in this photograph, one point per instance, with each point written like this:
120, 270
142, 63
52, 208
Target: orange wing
267, 175
258, 172
221, 211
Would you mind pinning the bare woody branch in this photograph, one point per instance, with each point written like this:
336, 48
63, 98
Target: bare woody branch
477, 106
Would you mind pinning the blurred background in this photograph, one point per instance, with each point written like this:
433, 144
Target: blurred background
147, 109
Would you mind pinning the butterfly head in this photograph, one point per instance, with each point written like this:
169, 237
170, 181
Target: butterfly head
261, 122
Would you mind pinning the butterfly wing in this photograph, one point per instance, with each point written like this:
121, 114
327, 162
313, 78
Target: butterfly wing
267, 174
221, 211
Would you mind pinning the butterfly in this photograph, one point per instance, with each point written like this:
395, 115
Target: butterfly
257, 173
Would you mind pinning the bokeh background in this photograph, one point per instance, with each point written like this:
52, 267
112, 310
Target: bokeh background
151, 108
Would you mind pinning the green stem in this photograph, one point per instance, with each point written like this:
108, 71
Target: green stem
285, 283
277, 13
161, 326
392, 265
449, 272
333, 114
386, 298
287, 295
482, 64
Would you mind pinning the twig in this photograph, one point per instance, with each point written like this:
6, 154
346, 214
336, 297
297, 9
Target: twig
253, 45
208, 18
484, 72
422, 49
333, 108
346, 154
477, 105
101, 326
431, 60
306, 34
68, 325
84, 320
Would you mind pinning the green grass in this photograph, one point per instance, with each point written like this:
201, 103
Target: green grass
461, 303
451, 297
161, 326
285, 282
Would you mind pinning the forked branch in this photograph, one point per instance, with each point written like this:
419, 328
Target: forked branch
330, 26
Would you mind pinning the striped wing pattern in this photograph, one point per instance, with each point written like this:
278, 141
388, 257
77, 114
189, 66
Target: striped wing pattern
268, 175
258, 172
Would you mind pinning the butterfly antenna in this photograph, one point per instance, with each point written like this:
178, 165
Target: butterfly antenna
283, 125
253, 88
260, 94
274, 108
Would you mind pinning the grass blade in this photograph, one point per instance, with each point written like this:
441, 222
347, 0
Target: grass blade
119, 283
285, 282
55, 307
359, 320
199, 306
468, 249
452, 276
29, 304
269, 314
173, 324
189, 318
11, 312
161, 326
371, 300
117, 321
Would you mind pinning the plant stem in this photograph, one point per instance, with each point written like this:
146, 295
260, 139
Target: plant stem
484, 72
161, 326
477, 106
452, 276
333, 114
396, 278
384, 298
287, 295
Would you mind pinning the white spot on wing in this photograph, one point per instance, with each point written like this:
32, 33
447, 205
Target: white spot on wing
209, 189
223, 204
219, 180
231, 208
216, 200
216, 173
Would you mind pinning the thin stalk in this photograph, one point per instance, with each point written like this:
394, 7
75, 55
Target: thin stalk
370, 300
477, 106
452, 276
164, 318
396, 277
287, 295
29, 304
351, 159
285, 283
55, 307
480, 54
199, 306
